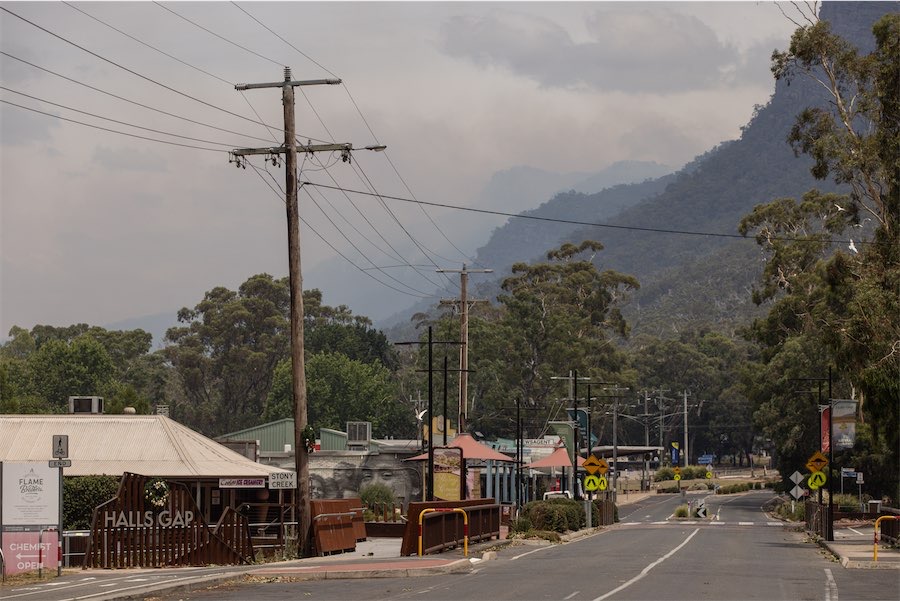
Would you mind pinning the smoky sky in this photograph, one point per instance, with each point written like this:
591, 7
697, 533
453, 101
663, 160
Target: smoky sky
641, 50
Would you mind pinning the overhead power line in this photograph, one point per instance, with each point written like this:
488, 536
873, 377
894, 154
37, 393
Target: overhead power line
368, 126
330, 245
114, 131
150, 129
134, 102
133, 72
633, 228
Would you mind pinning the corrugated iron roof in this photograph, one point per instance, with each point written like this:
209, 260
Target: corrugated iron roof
150, 445
272, 436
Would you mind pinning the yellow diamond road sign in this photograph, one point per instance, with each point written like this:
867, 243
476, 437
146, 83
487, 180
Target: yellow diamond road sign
604, 467
677, 470
817, 462
591, 465
816, 479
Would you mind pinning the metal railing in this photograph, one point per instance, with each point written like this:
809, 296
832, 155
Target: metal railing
890, 530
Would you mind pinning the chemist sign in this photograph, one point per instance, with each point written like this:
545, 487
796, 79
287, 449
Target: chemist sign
30, 494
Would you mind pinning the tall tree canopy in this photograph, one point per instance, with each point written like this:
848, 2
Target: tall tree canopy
41, 368
226, 352
839, 297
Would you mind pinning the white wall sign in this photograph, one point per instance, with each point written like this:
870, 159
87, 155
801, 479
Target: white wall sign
30, 494
279, 480
242, 482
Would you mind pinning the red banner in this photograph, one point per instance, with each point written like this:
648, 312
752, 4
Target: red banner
825, 430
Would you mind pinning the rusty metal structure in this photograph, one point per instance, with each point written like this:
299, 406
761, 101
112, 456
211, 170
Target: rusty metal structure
163, 527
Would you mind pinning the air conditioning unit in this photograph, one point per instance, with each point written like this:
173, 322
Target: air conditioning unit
359, 434
86, 404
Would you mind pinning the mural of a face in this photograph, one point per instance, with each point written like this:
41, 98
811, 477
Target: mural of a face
401, 477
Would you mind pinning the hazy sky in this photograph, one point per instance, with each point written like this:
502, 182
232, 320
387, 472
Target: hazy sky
98, 227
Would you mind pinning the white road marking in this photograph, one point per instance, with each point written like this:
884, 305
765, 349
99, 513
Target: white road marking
688, 523
629, 523
137, 580
745, 523
646, 570
106, 585
663, 522
530, 552
717, 523
856, 531
774, 523
831, 590
570, 596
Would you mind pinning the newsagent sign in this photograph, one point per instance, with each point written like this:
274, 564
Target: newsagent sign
30, 494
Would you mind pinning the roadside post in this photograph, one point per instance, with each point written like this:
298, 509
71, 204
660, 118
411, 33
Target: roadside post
61, 456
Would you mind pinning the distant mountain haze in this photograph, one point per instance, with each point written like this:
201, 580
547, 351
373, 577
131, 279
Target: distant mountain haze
686, 280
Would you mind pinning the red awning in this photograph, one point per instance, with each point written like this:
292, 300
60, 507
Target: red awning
558, 458
471, 448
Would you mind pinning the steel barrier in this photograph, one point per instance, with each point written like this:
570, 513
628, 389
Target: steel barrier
877, 524
447, 509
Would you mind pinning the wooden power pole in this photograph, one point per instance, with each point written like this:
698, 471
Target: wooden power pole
298, 370
464, 340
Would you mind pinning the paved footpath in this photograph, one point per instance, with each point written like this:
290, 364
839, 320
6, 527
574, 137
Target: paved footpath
374, 558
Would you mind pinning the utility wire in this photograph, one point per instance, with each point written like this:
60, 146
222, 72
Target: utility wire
380, 235
142, 42
329, 244
221, 37
174, 58
150, 129
356, 248
369, 127
133, 72
114, 131
134, 102
633, 228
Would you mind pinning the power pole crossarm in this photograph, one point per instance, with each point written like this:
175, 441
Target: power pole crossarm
293, 84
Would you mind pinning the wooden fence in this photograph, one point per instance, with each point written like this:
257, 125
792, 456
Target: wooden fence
444, 529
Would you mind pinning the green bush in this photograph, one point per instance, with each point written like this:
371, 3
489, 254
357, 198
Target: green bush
81, 494
664, 474
522, 524
681, 511
375, 494
557, 515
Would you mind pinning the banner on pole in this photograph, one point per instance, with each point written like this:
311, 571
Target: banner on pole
843, 421
825, 435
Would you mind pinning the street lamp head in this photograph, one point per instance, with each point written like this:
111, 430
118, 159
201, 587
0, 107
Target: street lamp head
378, 148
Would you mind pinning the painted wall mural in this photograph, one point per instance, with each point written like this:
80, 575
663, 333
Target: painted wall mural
339, 475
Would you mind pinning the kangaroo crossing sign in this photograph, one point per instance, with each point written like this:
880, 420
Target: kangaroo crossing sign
817, 462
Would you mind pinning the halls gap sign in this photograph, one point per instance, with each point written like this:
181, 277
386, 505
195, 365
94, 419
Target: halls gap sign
148, 519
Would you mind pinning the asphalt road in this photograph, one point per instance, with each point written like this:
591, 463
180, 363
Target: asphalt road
738, 556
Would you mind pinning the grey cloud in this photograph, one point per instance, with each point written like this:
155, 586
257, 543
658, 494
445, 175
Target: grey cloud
635, 50
19, 127
656, 136
129, 159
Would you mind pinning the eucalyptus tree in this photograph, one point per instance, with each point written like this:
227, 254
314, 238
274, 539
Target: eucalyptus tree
833, 268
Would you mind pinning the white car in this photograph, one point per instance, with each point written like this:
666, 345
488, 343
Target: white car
558, 494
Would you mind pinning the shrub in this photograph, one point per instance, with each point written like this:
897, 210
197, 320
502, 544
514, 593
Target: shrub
664, 474
522, 524
681, 511
375, 494
557, 515
81, 494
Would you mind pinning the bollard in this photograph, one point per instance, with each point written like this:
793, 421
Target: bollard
875, 534
465, 526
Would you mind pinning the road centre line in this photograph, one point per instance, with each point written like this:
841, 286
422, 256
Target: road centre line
646, 570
